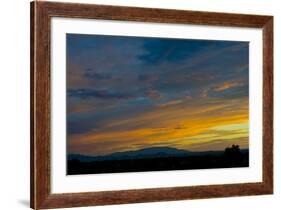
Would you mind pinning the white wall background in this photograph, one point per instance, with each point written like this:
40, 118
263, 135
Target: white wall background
14, 104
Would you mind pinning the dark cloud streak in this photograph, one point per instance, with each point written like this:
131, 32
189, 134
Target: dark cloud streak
101, 94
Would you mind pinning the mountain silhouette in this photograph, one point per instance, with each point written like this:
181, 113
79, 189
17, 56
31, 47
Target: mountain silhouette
157, 159
151, 152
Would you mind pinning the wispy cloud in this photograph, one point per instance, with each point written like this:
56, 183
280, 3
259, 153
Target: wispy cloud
134, 92
102, 94
228, 85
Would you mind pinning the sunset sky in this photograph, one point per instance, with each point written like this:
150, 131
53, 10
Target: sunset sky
128, 93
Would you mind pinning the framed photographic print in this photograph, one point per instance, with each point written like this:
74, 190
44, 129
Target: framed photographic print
140, 105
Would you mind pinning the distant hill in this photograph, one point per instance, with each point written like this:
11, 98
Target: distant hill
152, 152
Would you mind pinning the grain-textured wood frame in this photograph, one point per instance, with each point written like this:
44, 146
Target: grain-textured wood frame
41, 14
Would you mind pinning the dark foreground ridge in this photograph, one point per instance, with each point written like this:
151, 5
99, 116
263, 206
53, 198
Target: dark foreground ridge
157, 159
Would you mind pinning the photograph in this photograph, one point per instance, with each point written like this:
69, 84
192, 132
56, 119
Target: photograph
138, 104
143, 104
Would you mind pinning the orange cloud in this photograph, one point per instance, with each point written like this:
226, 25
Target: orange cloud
227, 85
183, 125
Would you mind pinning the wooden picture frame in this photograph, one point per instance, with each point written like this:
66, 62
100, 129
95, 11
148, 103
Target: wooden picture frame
41, 14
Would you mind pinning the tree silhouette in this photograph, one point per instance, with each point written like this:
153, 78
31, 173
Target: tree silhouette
233, 154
